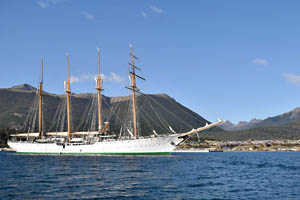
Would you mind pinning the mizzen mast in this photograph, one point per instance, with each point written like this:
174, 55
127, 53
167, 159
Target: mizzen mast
133, 87
99, 89
41, 102
68, 91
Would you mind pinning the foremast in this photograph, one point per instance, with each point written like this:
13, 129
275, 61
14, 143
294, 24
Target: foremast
68, 91
133, 88
41, 102
99, 89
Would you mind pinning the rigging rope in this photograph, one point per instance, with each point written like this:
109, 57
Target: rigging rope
30, 120
59, 116
181, 108
162, 123
188, 125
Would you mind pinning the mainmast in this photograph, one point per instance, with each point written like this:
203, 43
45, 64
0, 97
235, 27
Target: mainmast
133, 87
99, 89
68, 91
41, 103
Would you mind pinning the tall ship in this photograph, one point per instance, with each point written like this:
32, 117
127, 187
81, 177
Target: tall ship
102, 141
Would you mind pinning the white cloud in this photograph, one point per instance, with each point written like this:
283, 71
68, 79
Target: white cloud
156, 9
259, 61
151, 10
292, 78
42, 4
46, 3
87, 15
88, 77
113, 78
144, 14
81, 78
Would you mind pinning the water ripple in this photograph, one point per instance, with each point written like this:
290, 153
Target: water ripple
181, 176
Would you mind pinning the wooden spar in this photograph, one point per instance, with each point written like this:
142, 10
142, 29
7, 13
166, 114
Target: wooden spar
207, 126
99, 88
133, 88
41, 103
68, 91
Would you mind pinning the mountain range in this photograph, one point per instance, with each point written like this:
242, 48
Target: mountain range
242, 125
155, 112
283, 126
285, 118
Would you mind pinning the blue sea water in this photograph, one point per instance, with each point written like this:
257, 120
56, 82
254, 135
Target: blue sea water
181, 176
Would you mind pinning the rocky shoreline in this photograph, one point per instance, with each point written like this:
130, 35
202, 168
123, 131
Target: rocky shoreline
243, 146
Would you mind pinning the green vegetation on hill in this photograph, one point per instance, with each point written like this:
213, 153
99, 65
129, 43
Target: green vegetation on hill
285, 118
288, 131
4, 135
14, 106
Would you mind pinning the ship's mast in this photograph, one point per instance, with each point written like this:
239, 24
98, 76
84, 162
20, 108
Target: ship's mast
41, 102
133, 88
68, 91
99, 89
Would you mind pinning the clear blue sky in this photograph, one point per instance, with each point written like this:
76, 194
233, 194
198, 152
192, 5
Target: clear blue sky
231, 59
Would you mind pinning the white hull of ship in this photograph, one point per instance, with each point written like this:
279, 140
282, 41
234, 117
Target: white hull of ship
155, 145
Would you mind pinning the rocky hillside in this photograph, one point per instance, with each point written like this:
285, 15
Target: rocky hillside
285, 118
288, 131
18, 109
284, 126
